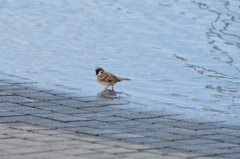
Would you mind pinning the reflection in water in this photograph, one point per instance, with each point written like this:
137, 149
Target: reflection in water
111, 94
107, 94
217, 65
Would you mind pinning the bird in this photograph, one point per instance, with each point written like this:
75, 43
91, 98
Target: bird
106, 78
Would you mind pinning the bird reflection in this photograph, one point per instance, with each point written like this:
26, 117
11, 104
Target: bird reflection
107, 94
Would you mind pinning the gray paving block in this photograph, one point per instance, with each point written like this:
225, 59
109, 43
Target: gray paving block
11, 87
16, 107
21, 91
230, 155
20, 142
5, 113
191, 148
187, 125
50, 123
129, 123
165, 136
198, 141
73, 103
123, 135
109, 119
71, 111
108, 126
76, 151
156, 120
68, 118
99, 156
43, 104
118, 150
144, 140
91, 115
215, 151
5, 94
16, 99
223, 138
226, 131
98, 131
222, 145
188, 132
108, 102
152, 127
8, 104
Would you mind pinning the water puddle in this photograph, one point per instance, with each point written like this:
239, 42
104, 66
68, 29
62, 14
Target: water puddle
184, 53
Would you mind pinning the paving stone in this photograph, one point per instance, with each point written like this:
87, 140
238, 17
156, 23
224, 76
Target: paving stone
20, 142
145, 155
5, 94
76, 151
231, 155
144, 140
129, 123
216, 151
164, 135
5, 113
68, 118
191, 148
18, 124
44, 155
41, 96
7, 146
41, 104
117, 150
223, 138
71, 111
187, 125
198, 141
73, 103
109, 119
108, 102
21, 150
222, 145
188, 132
21, 91
11, 87
91, 115
8, 104
155, 120
16, 99
225, 131
99, 131
100, 156
123, 135
4, 136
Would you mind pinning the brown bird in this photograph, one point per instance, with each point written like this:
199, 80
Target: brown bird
107, 79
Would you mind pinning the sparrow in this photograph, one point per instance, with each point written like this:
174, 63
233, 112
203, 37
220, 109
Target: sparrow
106, 78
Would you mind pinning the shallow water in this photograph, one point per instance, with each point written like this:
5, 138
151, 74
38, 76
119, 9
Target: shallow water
183, 54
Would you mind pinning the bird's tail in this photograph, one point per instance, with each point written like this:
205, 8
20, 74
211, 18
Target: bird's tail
119, 78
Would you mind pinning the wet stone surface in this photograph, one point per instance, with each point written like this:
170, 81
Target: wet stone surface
39, 123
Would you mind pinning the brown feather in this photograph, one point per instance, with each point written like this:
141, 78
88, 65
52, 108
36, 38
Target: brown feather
108, 77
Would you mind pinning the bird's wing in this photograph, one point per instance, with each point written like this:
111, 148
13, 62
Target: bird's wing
108, 77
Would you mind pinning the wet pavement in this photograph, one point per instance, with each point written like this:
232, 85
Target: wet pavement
183, 54
45, 123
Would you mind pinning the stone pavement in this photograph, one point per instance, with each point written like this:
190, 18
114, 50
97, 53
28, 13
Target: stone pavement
40, 123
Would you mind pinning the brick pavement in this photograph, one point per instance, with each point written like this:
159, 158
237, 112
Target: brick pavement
40, 123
